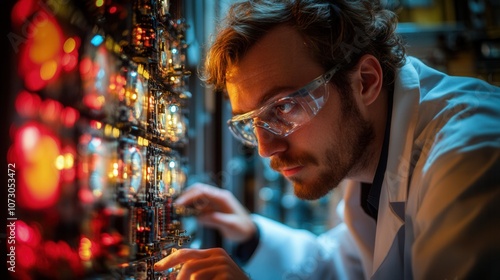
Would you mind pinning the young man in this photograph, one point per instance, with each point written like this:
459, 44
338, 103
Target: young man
325, 90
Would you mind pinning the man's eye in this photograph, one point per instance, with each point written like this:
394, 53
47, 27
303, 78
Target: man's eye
284, 108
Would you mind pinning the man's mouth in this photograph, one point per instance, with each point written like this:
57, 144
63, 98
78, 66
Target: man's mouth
290, 171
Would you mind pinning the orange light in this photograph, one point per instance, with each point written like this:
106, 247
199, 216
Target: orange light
39, 178
48, 70
85, 250
69, 45
46, 41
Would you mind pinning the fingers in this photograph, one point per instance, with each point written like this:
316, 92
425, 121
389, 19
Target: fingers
179, 257
206, 198
206, 264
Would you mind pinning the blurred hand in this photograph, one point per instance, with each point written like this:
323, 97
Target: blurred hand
209, 264
219, 209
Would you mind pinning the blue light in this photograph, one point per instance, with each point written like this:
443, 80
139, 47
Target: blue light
97, 40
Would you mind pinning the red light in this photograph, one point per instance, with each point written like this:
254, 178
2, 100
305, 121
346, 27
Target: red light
32, 79
50, 110
85, 66
69, 116
93, 101
27, 104
41, 54
26, 256
21, 11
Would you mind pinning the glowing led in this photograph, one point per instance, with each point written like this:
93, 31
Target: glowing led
59, 163
97, 40
85, 250
69, 45
48, 70
69, 160
99, 3
46, 41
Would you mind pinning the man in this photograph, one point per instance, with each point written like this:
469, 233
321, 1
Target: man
325, 90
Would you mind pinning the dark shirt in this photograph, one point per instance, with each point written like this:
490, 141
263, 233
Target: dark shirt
370, 193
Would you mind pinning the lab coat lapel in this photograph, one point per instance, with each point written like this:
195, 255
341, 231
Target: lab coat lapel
395, 186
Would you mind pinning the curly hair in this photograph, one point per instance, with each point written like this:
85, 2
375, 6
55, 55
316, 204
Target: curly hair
337, 32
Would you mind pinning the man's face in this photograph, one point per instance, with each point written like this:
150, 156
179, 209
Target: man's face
325, 150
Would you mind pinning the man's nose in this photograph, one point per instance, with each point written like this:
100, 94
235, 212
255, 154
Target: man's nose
269, 143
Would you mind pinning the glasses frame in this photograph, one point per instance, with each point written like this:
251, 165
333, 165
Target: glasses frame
306, 90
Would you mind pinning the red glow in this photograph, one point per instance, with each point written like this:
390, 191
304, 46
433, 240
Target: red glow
69, 116
32, 79
85, 66
41, 57
50, 110
27, 104
21, 11
69, 62
93, 101
23, 232
112, 10
26, 256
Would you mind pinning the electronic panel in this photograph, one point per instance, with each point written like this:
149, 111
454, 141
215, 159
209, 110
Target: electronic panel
99, 138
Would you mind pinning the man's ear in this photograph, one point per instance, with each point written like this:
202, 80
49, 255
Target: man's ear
370, 79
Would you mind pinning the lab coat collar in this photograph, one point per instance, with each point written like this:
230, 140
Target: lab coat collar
395, 186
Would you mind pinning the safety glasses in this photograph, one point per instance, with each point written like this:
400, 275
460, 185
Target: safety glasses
283, 116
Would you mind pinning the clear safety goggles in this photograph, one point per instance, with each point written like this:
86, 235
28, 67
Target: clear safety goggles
285, 115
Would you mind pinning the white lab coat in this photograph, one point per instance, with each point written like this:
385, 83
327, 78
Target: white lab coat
439, 212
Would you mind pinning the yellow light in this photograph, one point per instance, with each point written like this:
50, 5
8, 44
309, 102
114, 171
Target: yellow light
60, 162
85, 251
48, 70
99, 3
69, 45
116, 132
101, 100
108, 129
68, 160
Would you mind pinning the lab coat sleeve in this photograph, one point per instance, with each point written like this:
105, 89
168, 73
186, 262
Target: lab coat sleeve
457, 227
286, 253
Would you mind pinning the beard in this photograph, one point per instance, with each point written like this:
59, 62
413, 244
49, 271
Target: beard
347, 154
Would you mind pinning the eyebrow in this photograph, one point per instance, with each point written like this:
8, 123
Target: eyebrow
264, 99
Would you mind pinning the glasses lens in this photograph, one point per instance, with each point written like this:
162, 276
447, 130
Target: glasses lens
283, 116
243, 130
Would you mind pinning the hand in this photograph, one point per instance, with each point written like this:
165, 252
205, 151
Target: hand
210, 264
219, 209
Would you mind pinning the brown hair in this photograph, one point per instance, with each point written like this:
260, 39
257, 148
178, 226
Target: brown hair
336, 32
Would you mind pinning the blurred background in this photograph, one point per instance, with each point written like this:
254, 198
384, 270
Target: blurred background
66, 125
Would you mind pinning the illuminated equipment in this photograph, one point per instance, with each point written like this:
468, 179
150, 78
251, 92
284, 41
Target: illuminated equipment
98, 138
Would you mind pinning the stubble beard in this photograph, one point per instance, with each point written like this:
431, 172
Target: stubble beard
348, 154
